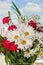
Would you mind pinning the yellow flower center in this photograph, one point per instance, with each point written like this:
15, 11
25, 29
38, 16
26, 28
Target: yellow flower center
23, 42
26, 33
27, 51
16, 37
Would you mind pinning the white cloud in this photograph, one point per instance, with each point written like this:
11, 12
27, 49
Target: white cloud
32, 7
4, 7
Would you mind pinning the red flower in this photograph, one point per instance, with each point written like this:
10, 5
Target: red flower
10, 45
6, 43
12, 27
6, 20
13, 47
32, 23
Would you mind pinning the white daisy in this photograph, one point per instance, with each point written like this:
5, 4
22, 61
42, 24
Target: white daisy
28, 32
9, 36
27, 53
13, 35
16, 35
24, 43
21, 26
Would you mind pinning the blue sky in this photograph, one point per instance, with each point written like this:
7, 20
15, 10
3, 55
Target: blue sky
27, 7
38, 5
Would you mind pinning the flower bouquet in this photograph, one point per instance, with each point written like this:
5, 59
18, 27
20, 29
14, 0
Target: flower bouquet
22, 43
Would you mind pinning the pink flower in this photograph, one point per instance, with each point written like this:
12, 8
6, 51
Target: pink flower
12, 27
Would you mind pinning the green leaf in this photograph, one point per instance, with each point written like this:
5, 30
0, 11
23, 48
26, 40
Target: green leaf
17, 58
9, 13
36, 42
10, 63
1, 38
1, 48
6, 59
16, 8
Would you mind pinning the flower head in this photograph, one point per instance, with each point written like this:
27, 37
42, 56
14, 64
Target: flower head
29, 31
11, 27
6, 20
6, 43
10, 45
32, 23
13, 47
